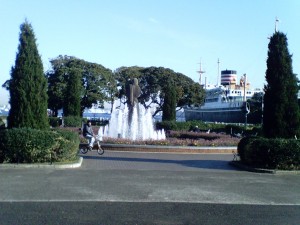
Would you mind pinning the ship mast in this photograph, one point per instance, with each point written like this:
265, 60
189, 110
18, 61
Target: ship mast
218, 78
200, 73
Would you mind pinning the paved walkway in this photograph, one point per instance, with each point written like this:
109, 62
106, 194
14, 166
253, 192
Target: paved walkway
150, 177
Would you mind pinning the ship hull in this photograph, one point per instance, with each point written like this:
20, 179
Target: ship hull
225, 115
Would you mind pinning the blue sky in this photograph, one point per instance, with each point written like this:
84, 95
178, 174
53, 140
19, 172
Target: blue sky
174, 34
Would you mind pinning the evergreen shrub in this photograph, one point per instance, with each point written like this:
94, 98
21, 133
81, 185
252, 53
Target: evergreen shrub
194, 135
203, 127
25, 145
270, 153
67, 148
72, 121
166, 125
28, 85
54, 121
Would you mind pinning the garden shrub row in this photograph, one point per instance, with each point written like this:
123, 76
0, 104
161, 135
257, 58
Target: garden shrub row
270, 153
213, 127
25, 145
194, 135
55, 121
73, 121
186, 126
68, 121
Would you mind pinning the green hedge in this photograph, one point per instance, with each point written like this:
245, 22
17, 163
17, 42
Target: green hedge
194, 135
213, 127
67, 148
54, 121
72, 121
186, 126
270, 153
24, 145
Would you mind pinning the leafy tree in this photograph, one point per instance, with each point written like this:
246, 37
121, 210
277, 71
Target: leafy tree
28, 85
169, 105
153, 82
56, 88
281, 110
72, 95
124, 74
97, 82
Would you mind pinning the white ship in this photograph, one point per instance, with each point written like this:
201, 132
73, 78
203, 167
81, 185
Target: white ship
224, 103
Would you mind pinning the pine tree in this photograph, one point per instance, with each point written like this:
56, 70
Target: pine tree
72, 95
169, 106
281, 111
28, 85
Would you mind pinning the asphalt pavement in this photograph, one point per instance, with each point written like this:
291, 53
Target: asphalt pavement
148, 188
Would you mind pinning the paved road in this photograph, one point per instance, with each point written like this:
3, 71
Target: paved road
148, 188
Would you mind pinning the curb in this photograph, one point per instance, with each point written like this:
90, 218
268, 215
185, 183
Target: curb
239, 165
41, 165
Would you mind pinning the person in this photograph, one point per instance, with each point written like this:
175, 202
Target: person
88, 133
196, 129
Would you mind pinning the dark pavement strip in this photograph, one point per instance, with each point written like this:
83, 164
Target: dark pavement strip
106, 213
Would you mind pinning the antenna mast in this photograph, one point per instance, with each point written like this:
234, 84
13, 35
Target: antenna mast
218, 78
276, 24
200, 73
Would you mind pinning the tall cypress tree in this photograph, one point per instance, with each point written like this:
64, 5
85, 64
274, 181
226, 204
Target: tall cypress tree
72, 95
28, 85
169, 106
281, 111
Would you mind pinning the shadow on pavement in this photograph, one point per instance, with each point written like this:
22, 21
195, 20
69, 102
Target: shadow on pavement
203, 164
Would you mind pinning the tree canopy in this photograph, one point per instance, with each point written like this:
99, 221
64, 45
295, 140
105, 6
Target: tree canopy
72, 94
28, 85
97, 82
281, 110
153, 82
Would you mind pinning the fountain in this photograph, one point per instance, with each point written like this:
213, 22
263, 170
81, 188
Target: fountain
133, 122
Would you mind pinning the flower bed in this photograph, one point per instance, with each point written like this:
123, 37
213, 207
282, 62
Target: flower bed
213, 140
174, 138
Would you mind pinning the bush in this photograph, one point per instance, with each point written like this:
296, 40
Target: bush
54, 121
67, 147
25, 145
194, 135
270, 153
176, 142
166, 125
72, 121
234, 129
186, 126
213, 127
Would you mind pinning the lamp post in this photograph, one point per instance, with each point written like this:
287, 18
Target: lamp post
262, 109
247, 106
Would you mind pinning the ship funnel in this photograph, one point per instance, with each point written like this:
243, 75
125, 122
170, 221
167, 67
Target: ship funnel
228, 77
